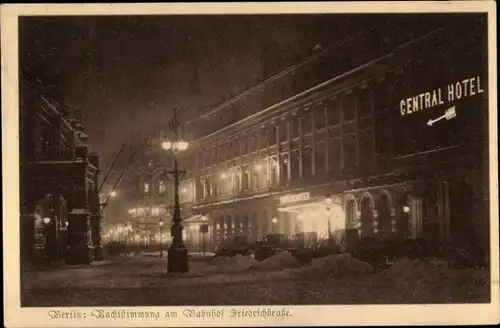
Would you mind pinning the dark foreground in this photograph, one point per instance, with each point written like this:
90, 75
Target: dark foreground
142, 281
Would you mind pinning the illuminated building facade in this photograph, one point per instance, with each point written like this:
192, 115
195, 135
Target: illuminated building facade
384, 135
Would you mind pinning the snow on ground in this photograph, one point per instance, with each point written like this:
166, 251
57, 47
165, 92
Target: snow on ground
143, 281
281, 260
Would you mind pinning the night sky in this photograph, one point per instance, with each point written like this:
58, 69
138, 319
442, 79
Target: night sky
127, 73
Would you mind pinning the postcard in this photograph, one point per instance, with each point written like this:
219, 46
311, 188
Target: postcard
250, 164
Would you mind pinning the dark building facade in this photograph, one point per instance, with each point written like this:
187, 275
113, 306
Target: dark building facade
60, 207
385, 132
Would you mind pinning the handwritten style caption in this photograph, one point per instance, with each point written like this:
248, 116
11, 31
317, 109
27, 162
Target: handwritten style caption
189, 313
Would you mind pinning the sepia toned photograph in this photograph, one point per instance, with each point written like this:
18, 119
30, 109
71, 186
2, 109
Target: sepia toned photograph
253, 160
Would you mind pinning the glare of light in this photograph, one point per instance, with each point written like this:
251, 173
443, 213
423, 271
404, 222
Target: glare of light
258, 167
274, 220
406, 209
113, 193
223, 176
204, 218
328, 200
46, 220
160, 223
66, 223
166, 145
181, 145
184, 190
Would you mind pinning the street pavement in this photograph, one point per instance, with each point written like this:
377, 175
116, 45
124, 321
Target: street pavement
143, 281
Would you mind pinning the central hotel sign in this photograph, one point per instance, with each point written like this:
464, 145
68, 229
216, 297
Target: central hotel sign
295, 198
468, 87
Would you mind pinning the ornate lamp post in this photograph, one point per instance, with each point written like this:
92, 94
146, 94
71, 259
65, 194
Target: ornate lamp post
161, 238
177, 253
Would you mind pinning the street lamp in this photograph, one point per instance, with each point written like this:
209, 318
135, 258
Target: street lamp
177, 253
161, 238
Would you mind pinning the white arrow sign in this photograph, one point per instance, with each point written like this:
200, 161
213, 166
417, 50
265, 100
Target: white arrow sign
448, 115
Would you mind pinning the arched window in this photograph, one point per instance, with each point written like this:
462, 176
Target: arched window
367, 222
384, 216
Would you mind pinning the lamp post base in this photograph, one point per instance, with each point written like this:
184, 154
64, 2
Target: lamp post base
177, 260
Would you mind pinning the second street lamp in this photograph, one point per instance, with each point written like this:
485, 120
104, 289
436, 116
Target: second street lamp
177, 254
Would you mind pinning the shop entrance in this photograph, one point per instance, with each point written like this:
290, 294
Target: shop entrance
315, 220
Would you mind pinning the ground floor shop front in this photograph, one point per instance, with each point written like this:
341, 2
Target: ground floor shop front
60, 217
445, 210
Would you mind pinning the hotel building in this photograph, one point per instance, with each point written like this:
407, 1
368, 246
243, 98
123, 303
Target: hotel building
384, 132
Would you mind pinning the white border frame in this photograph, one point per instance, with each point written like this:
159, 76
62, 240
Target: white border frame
313, 315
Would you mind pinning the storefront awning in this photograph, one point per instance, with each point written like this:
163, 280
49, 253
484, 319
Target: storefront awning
312, 203
193, 219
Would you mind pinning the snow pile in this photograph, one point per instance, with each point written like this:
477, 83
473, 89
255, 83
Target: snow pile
335, 265
234, 263
417, 270
422, 279
281, 260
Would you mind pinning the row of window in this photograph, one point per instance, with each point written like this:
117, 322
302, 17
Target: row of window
321, 115
272, 170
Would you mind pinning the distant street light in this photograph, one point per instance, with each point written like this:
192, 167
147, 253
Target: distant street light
113, 193
46, 220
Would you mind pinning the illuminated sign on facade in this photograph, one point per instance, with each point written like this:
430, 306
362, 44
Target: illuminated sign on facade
294, 198
453, 92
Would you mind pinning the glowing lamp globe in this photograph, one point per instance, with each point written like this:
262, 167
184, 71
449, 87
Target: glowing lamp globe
167, 145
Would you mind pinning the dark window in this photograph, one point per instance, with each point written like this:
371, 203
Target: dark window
294, 126
319, 116
283, 131
333, 112
349, 151
320, 158
272, 134
348, 107
295, 165
243, 146
251, 144
363, 102
307, 162
334, 154
306, 122
365, 147
263, 138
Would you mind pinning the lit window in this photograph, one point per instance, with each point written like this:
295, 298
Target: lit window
161, 187
146, 187
155, 211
